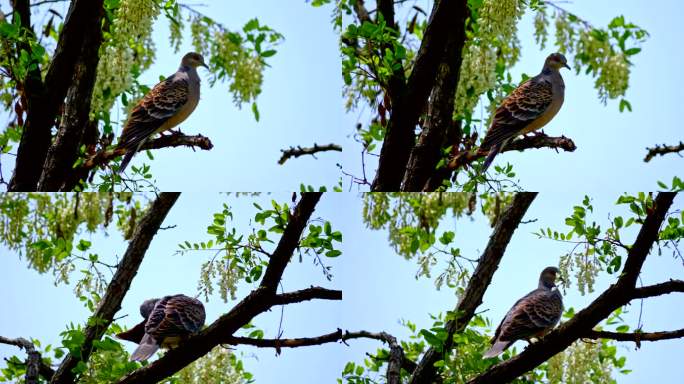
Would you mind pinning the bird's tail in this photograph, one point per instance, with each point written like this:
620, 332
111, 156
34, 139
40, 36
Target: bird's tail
493, 151
126, 159
148, 346
496, 349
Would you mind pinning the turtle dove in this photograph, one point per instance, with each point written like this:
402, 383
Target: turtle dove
167, 321
528, 108
168, 104
532, 316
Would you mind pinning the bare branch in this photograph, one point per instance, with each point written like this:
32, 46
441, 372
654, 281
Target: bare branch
658, 289
426, 372
34, 362
528, 142
301, 151
307, 294
286, 343
118, 287
396, 360
663, 150
636, 337
165, 141
585, 320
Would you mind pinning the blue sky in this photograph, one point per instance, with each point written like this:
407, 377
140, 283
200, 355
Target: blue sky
378, 286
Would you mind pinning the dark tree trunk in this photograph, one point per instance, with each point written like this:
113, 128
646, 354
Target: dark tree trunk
64, 151
407, 106
45, 101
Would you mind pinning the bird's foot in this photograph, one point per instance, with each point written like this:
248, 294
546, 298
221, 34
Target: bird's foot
539, 133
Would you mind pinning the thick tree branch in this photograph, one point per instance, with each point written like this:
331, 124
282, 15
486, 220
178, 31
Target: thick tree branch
527, 142
636, 337
409, 101
82, 20
426, 372
361, 11
439, 129
663, 150
34, 361
63, 152
119, 285
165, 141
585, 320
258, 301
301, 151
307, 294
658, 289
396, 360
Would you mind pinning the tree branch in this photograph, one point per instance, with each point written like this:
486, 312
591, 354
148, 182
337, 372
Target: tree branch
396, 360
636, 337
258, 301
658, 289
165, 141
34, 362
119, 285
527, 142
585, 320
301, 151
307, 294
663, 150
285, 343
426, 372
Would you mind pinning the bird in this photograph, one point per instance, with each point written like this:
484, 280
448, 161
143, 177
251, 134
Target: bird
528, 108
166, 322
168, 104
532, 316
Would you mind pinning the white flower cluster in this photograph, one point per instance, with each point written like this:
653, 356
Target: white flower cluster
128, 49
494, 40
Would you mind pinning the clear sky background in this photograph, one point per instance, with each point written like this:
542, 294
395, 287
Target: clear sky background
610, 145
378, 286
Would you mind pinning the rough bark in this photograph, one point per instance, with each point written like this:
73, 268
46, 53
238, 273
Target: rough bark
119, 285
585, 320
43, 110
438, 128
63, 152
426, 372
34, 361
410, 100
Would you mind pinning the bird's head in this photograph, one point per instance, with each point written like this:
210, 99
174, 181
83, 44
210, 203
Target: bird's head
548, 277
556, 61
194, 60
147, 307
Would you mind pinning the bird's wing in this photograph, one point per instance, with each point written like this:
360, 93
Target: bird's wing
524, 105
158, 105
532, 314
177, 315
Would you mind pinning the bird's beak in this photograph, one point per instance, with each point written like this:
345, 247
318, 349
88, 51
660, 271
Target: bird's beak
566, 66
204, 65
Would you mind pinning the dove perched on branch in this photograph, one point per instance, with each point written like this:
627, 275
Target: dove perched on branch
167, 321
528, 108
168, 104
532, 316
